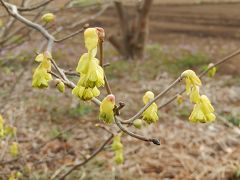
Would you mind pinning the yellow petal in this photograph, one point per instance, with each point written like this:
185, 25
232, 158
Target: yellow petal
194, 94
148, 96
91, 38
39, 57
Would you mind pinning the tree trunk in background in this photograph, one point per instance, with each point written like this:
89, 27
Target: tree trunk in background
133, 35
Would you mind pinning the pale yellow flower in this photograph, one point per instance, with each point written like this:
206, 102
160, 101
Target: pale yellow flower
150, 115
117, 147
41, 78
194, 94
202, 111
91, 38
85, 93
191, 79
94, 76
212, 71
106, 109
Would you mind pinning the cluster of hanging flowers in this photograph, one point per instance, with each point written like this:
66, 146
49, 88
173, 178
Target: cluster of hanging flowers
150, 115
91, 73
203, 110
41, 75
117, 147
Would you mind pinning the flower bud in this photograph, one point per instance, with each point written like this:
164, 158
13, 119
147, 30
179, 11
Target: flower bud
137, 123
119, 158
212, 71
48, 17
60, 85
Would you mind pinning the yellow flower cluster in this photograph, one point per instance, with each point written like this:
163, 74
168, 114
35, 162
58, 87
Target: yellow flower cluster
91, 73
41, 77
203, 110
117, 147
106, 109
150, 115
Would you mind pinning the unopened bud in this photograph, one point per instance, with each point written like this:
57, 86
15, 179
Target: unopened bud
101, 33
60, 85
48, 17
137, 123
212, 71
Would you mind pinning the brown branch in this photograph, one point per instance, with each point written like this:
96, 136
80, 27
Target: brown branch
35, 6
101, 40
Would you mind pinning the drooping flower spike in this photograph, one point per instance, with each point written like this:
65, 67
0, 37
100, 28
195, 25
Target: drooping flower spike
117, 147
150, 115
106, 109
91, 73
41, 75
202, 111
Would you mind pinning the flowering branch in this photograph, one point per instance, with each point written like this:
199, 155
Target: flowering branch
219, 62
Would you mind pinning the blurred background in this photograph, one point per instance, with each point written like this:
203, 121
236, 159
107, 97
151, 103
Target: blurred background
148, 44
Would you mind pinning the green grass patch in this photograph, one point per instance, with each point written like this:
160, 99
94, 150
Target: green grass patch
235, 120
187, 61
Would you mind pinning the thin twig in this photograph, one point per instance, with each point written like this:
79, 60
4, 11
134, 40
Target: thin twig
35, 6
221, 61
139, 113
153, 140
97, 151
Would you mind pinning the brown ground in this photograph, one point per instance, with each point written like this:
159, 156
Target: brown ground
188, 151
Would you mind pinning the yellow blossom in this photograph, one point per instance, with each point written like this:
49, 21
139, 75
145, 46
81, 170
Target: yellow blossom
13, 149
41, 78
119, 157
191, 79
202, 111
194, 94
85, 93
91, 38
94, 76
150, 115
48, 17
106, 109
117, 147
212, 71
